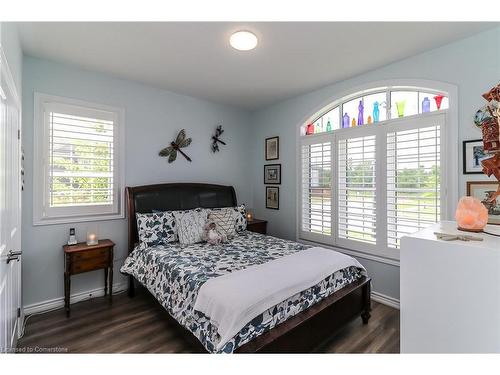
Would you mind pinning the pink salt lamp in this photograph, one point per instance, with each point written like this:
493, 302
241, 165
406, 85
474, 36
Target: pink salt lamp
471, 214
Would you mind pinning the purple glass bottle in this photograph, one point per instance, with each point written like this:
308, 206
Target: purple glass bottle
360, 113
345, 121
426, 105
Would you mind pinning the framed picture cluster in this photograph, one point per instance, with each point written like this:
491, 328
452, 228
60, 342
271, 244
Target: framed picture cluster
473, 154
272, 173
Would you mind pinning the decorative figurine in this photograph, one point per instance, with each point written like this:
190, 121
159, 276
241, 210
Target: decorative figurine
345, 120
376, 112
360, 113
369, 119
489, 122
216, 140
180, 142
310, 129
328, 126
438, 99
426, 105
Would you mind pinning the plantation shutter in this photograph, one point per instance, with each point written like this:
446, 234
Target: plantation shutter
413, 181
81, 157
316, 195
356, 189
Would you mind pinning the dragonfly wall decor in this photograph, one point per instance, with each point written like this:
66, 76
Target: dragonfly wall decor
180, 142
216, 140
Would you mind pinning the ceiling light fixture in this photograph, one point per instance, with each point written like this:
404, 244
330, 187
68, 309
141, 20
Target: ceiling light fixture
243, 40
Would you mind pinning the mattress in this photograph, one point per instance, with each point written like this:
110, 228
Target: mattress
174, 275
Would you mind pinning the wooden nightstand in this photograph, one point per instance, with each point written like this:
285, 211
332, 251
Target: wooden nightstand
82, 258
258, 226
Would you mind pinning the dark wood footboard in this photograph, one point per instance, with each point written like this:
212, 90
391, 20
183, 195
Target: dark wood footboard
310, 328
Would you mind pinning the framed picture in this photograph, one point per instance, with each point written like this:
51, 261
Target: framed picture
273, 148
473, 154
273, 197
272, 174
483, 190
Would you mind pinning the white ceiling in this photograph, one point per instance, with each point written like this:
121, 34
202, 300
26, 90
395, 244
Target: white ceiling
195, 58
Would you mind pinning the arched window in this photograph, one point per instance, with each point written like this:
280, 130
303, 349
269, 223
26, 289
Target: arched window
371, 168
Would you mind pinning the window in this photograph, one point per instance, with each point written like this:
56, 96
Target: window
78, 163
366, 185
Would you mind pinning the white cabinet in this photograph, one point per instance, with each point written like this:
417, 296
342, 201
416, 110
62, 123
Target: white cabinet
450, 292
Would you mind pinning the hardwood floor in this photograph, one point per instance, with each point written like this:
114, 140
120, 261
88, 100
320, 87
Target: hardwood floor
141, 325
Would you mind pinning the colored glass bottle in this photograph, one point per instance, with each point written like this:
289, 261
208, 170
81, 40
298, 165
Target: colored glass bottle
345, 120
426, 105
376, 112
360, 113
328, 126
310, 129
353, 122
318, 128
400, 106
369, 120
438, 99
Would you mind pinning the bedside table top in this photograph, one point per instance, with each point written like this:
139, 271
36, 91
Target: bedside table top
256, 221
82, 246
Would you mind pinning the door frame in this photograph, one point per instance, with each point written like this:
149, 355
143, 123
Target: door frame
5, 70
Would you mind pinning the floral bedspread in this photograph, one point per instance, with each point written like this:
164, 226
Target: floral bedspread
174, 276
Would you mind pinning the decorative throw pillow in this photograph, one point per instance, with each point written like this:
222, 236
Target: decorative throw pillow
240, 216
155, 229
190, 225
169, 224
224, 221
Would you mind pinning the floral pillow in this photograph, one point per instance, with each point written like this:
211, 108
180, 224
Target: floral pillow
190, 225
240, 216
157, 228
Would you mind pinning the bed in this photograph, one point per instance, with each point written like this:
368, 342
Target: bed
175, 274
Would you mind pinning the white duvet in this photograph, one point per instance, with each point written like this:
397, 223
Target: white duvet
234, 299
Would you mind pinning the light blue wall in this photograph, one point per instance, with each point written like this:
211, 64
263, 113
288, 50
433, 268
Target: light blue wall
472, 64
152, 118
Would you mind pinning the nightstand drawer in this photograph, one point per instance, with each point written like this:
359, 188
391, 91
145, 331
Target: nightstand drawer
258, 226
89, 264
89, 254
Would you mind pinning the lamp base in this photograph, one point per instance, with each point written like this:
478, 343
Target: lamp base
470, 230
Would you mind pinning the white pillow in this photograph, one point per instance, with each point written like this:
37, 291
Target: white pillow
190, 225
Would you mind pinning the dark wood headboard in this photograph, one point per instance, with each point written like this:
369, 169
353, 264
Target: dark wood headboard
171, 197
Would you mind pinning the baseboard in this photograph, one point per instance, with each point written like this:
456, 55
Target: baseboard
76, 297
385, 300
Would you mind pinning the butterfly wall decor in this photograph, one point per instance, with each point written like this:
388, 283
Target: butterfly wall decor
180, 142
216, 140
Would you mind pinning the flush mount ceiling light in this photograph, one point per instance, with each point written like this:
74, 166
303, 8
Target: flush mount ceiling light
243, 40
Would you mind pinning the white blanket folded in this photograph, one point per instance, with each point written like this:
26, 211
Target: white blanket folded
234, 299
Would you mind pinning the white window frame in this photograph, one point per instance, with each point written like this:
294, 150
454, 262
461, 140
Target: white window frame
449, 162
42, 213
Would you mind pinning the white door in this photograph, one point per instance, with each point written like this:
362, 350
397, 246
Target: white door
10, 210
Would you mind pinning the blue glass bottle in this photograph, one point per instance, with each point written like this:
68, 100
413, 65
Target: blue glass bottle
360, 113
376, 112
426, 105
345, 121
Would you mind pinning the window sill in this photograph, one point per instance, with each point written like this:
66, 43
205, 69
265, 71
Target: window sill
76, 219
355, 253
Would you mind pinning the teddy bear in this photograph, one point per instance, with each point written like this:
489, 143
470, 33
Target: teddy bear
212, 235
